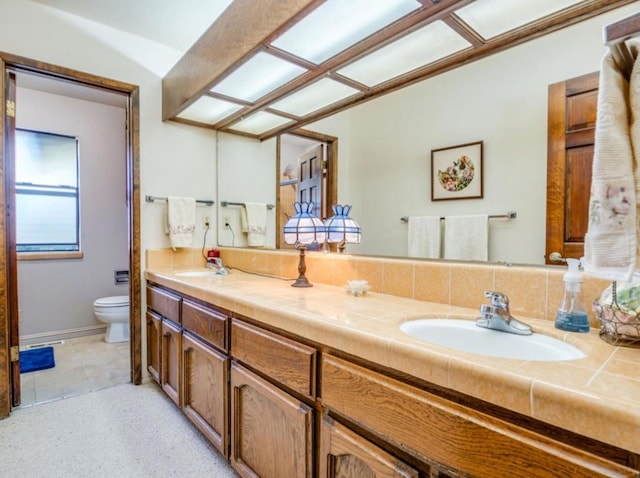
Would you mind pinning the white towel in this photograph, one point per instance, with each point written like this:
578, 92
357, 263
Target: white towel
424, 237
181, 221
610, 241
254, 223
466, 237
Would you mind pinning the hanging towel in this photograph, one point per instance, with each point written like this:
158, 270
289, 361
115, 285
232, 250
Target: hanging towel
424, 237
181, 221
466, 237
610, 241
254, 223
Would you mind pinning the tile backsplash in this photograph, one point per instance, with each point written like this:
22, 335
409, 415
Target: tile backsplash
533, 291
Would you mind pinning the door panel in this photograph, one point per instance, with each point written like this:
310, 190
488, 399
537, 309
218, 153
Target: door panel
311, 175
12, 266
571, 134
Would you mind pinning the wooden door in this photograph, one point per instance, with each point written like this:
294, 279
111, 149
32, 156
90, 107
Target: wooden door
344, 454
310, 179
154, 345
271, 432
171, 357
204, 385
11, 250
571, 136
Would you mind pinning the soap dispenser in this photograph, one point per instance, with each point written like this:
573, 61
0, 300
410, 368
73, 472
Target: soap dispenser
572, 315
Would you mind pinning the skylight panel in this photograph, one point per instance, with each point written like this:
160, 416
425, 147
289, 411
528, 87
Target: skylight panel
314, 97
260, 122
260, 75
209, 110
491, 18
422, 47
338, 24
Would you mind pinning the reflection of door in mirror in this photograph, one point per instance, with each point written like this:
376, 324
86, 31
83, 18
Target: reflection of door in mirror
306, 163
571, 136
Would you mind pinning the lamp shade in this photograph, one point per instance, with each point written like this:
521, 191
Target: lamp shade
303, 227
340, 227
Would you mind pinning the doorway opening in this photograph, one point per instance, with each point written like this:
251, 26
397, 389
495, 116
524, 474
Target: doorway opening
307, 166
121, 99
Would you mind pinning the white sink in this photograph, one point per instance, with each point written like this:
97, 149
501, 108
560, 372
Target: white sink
466, 336
197, 274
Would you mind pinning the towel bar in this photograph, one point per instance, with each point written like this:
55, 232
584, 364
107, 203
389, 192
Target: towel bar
198, 201
509, 215
228, 204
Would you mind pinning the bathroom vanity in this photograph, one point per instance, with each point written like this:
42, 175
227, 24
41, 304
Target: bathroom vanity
290, 382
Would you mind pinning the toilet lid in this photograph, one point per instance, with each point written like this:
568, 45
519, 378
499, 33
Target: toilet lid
115, 301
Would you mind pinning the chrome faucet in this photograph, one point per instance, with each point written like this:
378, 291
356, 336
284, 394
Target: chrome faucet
216, 263
497, 316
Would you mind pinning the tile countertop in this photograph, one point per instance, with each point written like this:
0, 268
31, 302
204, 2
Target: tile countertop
597, 396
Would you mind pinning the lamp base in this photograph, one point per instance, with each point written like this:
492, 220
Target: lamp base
302, 280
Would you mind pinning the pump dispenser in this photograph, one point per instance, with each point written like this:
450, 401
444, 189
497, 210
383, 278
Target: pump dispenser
572, 315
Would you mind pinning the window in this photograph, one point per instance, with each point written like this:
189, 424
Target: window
47, 201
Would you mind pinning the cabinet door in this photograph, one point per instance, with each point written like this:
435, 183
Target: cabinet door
204, 385
171, 355
344, 454
154, 345
271, 432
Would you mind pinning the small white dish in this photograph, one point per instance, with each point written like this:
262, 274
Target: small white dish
357, 287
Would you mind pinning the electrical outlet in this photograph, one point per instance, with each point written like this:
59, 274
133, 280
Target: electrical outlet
227, 222
205, 222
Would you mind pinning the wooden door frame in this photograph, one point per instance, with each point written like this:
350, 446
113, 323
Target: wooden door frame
332, 171
133, 199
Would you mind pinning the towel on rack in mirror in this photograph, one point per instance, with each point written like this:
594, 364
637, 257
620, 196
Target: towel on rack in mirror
424, 237
611, 239
466, 237
181, 221
254, 223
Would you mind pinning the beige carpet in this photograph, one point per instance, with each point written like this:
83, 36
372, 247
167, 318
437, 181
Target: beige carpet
124, 431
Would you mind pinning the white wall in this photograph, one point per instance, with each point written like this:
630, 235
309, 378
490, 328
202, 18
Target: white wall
501, 100
58, 295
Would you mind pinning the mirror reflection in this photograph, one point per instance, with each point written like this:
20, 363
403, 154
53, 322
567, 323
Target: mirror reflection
383, 156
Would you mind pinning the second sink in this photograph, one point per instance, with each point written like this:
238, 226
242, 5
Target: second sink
466, 336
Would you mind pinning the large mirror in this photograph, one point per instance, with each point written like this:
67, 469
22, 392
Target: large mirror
384, 148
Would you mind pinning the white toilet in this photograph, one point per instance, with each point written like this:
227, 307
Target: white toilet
114, 311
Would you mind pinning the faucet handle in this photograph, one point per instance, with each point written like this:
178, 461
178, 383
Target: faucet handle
498, 299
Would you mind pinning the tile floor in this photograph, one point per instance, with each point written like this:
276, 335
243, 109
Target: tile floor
83, 365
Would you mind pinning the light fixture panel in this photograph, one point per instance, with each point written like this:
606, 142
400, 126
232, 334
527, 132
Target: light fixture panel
260, 75
260, 122
491, 18
427, 45
314, 97
209, 110
338, 24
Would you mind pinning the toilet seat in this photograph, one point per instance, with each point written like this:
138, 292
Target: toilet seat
115, 301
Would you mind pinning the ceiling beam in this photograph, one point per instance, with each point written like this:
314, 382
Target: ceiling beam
241, 29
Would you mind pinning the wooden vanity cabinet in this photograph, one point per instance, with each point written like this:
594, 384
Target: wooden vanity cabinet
434, 429
205, 367
344, 454
171, 355
154, 344
271, 431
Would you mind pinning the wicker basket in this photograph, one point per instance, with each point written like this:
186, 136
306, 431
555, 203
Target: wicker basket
618, 326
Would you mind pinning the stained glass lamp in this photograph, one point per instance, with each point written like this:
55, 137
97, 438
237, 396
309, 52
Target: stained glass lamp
341, 228
301, 229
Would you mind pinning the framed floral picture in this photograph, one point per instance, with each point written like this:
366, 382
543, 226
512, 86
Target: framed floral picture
456, 172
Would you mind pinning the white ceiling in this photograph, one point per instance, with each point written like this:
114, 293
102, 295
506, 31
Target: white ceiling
174, 23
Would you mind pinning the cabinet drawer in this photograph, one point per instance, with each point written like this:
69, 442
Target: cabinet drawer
287, 361
432, 428
164, 303
206, 323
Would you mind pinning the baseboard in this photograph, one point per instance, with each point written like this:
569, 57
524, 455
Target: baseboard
61, 334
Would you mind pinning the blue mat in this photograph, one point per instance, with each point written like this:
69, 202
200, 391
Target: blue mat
36, 359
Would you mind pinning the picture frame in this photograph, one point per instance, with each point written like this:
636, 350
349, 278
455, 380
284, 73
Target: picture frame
457, 172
